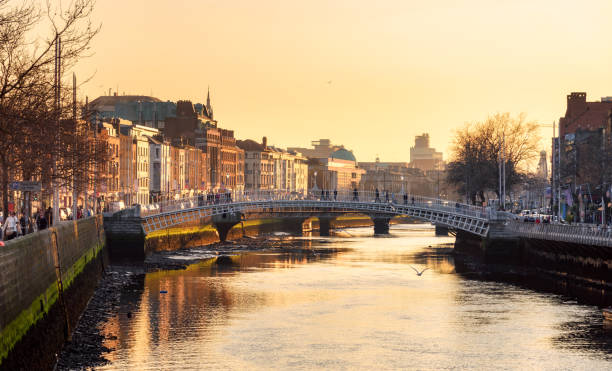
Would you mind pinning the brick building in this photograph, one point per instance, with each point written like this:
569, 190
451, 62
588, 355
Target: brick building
584, 135
195, 126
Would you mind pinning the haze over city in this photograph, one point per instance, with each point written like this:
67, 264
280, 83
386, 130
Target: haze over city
370, 75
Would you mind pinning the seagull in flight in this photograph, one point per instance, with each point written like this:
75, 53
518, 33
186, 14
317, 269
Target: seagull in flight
417, 272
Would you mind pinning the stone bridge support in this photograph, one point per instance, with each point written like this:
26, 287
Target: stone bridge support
125, 237
294, 224
381, 224
223, 223
441, 230
325, 225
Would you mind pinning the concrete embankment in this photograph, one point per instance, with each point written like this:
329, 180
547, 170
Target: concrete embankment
46, 280
580, 271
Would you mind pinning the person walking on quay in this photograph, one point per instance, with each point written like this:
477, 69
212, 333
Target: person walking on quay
11, 227
355, 195
49, 216
335, 195
386, 196
322, 195
327, 195
377, 196
41, 220
26, 223
405, 199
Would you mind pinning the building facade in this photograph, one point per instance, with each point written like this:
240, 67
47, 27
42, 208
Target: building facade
271, 168
136, 177
424, 157
197, 128
138, 109
339, 171
160, 168
110, 187
584, 141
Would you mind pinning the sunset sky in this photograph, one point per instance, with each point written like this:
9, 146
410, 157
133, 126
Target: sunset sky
367, 74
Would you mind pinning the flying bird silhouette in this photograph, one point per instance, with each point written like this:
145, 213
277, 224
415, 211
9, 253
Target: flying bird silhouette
417, 272
329, 81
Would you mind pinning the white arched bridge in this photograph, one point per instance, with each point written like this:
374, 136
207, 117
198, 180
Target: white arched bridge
126, 230
381, 206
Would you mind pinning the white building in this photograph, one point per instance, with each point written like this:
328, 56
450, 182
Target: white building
141, 135
160, 167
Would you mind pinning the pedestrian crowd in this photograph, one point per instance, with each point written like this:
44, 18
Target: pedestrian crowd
15, 225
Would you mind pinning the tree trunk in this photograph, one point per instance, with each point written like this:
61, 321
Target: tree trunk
4, 187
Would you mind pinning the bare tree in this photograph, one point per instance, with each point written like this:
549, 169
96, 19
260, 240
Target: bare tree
28, 114
478, 148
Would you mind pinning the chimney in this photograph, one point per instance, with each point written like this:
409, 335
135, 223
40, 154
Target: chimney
576, 104
264, 142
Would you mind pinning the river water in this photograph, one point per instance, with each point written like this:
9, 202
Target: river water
351, 301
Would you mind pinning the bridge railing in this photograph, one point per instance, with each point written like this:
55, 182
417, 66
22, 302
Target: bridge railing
396, 199
588, 234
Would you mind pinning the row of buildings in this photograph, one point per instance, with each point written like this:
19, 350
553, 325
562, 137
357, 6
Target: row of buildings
166, 150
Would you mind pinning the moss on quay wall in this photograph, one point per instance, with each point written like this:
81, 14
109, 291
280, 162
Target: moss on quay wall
33, 317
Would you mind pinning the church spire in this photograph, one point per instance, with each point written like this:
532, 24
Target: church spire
209, 109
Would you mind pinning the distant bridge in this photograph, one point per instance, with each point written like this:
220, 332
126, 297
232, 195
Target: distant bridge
381, 209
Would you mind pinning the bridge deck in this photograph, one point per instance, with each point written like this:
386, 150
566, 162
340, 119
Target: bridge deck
454, 215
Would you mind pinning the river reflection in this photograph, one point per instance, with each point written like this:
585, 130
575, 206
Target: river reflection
350, 302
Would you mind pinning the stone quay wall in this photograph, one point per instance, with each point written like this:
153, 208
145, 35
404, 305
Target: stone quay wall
46, 280
577, 270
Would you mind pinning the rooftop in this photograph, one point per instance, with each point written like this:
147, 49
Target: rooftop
343, 154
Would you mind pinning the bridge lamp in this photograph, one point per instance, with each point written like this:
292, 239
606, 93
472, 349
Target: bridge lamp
402, 178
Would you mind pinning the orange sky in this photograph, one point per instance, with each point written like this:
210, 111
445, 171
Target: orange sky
397, 68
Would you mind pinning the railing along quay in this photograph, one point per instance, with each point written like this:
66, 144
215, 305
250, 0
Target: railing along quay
586, 234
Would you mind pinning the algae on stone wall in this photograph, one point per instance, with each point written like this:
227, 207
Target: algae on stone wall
29, 279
